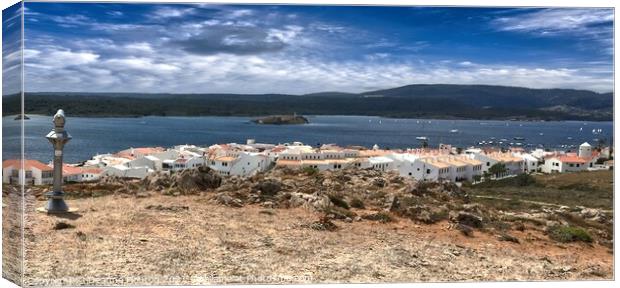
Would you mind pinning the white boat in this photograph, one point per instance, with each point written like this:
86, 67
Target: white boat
421, 138
454, 131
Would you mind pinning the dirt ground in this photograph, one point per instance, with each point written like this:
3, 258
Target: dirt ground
188, 240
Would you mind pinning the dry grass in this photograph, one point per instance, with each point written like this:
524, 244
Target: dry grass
119, 238
592, 189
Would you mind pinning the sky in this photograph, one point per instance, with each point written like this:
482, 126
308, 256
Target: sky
202, 48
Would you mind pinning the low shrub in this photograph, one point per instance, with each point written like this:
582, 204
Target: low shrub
382, 217
339, 212
310, 171
323, 224
338, 200
524, 179
357, 203
569, 234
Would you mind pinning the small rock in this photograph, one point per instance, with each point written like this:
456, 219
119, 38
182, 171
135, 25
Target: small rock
469, 219
62, 225
507, 237
466, 230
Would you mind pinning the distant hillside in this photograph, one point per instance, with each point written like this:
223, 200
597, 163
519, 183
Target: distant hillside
502, 96
412, 101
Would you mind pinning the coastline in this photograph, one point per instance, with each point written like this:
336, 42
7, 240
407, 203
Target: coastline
122, 116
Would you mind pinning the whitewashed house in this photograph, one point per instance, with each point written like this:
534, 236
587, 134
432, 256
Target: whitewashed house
91, 174
150, 161
32, 173
531, 164
564, 163
127, 172
71, 173
381, 163
244, 164
514, 165
434, 170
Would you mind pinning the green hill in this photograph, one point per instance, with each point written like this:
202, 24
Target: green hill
412, 101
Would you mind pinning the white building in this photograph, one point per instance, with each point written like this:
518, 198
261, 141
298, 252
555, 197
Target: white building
149, 161
245, 164
32, 173
585, 150
71, 173
514, 165
381, 163
531, 164
564, 163
127, 172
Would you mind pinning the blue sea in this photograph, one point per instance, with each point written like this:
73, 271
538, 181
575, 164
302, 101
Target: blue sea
102, 135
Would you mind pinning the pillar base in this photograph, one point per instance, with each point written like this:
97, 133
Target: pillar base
44, 210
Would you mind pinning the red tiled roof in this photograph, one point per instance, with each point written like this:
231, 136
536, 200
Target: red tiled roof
225, 159
148, 150
29, 164
127, 153
571, 159
70, 170
278, 149
92, 170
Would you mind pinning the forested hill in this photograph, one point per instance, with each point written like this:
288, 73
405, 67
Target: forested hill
412, 101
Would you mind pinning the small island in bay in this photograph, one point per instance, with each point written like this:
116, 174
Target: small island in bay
22, 116
281, 120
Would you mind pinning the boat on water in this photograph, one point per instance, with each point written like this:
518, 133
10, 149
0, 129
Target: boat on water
422, 138
518, 138
454, 131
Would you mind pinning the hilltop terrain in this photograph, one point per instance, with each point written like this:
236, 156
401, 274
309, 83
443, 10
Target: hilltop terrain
288, 226
412, 101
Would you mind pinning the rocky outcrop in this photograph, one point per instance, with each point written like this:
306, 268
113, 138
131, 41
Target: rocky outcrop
189, 181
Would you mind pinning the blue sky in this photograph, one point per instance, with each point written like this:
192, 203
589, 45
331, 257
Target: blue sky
305, 49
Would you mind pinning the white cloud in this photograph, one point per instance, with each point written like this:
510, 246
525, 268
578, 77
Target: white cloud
142, 64
584, 25
56, 59
115, 13
558, 20
171, 12
187, 73
239, 13
287, 34
139, 47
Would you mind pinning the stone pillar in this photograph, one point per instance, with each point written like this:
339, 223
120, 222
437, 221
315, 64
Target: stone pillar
58, 137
